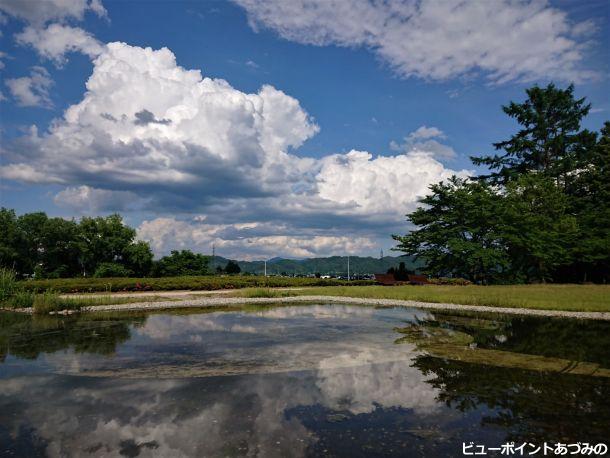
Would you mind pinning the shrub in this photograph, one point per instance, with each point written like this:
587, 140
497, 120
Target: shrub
86, 285
111, 269
183, 262
449, 281
8, 284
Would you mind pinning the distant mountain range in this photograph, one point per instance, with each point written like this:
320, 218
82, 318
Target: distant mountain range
333, 265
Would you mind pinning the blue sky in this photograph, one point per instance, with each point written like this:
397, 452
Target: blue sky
270, 173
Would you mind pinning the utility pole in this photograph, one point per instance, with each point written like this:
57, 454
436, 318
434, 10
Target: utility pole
213, 258
265, 267
348, 267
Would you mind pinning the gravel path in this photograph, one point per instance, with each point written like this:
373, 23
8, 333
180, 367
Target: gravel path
228, 301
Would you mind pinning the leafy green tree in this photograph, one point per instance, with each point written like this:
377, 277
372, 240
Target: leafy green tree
541, 214
31, 226
11, 239
550, 139
536, 227
401, 273
111, 269
139, 258
590, 202
33, 243
104, 239
232, 268
457, 231
183, 262
59, 250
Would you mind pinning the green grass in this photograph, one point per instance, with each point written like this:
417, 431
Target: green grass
591, 298
47, 302
7, 284
51, 301
21, 299
267, 292
84, 285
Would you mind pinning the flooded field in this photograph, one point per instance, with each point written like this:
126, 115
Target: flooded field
307, 380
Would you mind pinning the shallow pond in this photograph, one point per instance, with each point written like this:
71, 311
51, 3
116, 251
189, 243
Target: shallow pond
306, 380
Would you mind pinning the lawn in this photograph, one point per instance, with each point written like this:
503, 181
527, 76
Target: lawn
590, 298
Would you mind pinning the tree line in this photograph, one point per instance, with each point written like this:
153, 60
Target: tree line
37, 246
542, 213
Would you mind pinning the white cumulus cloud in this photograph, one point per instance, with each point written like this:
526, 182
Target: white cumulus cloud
39, 12
505, 40
425, 139
56, 40
151, 135
383, 184
32, 90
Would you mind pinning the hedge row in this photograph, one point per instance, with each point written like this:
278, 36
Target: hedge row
86, 285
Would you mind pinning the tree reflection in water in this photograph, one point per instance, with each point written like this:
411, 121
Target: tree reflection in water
26, 336
486, 364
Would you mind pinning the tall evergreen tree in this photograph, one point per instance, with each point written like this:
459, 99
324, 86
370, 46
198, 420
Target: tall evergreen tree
542, 213
550, 140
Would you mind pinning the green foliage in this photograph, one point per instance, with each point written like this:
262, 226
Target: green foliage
550, 140
138, 258
47, 301
541, 215
589, 201
104, 240
208, 283
232, 268
36, 245
267, 292
183, 262
458, 235
538, 231
401, 273
111, 269
456, 281
21, 299
7, 284
10, 239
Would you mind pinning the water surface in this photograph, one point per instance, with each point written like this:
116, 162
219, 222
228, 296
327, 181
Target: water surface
305, 380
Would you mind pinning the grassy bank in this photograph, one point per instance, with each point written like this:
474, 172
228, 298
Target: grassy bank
88, 285
586, 298
50, 301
